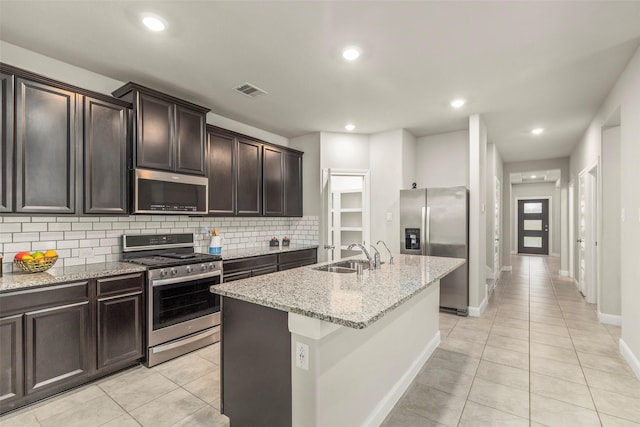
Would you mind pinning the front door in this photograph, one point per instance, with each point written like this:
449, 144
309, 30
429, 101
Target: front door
533, 226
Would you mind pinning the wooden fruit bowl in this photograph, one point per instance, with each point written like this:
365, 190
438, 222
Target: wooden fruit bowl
35, 265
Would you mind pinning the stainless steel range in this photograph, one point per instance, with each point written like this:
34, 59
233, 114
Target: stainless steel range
182, 314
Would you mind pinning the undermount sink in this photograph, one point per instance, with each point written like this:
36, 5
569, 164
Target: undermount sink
347, 266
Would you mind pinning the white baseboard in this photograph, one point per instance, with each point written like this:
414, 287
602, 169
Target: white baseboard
554, 254
384, 407
610, 319
507, 268
631, 358
477, 311
514, 252
564, 273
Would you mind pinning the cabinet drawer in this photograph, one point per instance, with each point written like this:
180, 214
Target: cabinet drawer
293, 256
236, 276
119, 284
251, 263
34, 299
296, 264
264, 270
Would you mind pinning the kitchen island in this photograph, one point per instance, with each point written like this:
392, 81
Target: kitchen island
314, 348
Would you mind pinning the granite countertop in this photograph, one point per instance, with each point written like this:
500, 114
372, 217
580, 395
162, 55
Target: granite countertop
19, 280
262, 250
343, 298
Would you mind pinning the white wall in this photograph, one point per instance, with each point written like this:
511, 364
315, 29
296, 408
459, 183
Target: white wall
542, 190
409, 148
625, 97
344, 151
442, 160
311, 187
477, 214
610, 297
49, 67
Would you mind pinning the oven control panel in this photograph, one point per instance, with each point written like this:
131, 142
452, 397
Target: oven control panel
185, 270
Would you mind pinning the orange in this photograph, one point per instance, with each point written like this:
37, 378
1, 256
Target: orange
50, 253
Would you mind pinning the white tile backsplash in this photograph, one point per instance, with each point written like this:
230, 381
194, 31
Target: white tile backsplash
86, 240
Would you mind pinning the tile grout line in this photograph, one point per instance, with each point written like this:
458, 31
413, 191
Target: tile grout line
553, 286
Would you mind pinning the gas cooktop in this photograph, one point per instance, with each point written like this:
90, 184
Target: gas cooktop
163, 250
173, 260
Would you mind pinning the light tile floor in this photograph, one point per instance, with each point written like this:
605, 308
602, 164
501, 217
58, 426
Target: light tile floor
537, 356
182, 392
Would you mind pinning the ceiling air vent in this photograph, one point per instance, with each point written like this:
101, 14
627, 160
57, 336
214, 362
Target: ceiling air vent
250, 90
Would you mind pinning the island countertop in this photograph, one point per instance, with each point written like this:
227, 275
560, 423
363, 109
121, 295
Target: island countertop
343, 298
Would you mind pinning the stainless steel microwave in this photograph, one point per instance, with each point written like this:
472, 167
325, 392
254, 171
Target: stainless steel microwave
157, 192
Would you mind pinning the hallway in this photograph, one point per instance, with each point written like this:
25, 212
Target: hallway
537, 356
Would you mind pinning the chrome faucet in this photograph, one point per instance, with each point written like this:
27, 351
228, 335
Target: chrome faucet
376, 257
372, 264
388, 250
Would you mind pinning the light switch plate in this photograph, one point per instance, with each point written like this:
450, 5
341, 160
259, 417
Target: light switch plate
389, 217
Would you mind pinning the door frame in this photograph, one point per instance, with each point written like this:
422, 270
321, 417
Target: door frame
497, 226
572, 231
515, 220
325, 218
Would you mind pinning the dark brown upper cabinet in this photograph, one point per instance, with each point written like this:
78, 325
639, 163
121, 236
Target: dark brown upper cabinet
6, 142
273, 181
248, 178
221, 162
282, 182
169, 132
45, 138
105, 156
292, 183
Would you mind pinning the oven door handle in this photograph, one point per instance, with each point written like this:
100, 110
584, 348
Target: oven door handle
173, 280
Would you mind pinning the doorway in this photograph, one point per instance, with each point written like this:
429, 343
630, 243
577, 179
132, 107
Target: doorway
533, 226
497, 225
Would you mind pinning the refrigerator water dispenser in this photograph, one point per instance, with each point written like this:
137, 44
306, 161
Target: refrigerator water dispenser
412, 238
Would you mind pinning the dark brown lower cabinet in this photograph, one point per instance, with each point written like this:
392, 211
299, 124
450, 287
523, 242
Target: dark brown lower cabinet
243, 268
11, 359
119, 329
56, 346
58, 337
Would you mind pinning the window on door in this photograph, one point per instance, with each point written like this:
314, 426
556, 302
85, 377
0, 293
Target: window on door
533, 226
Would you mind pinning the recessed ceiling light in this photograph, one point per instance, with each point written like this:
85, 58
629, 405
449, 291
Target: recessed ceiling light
458, 103
154, 23
533, 177
537, 131
350, 127
351, 53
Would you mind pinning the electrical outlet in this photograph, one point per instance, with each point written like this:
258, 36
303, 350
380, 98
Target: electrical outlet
302, 356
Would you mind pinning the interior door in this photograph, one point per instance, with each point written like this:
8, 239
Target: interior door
496, 228
533, 226
582, 233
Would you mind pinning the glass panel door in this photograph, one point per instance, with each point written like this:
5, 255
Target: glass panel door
533, 226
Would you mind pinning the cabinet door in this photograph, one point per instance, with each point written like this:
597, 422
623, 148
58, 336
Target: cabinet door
249, 178
154, 148
105, 157
220, 168
119, 329
6, 142
45, 148
57, 346
292, 184
11, 360
190, 128
273, 182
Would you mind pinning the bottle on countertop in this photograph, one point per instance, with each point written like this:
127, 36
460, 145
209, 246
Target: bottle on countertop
215, 244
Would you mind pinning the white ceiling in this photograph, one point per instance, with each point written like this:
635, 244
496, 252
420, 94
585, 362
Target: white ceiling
520, 64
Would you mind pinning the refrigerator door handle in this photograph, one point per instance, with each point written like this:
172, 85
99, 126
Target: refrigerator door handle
428, 231
423, 239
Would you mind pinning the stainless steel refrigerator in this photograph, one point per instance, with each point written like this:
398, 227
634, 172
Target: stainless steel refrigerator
435, 221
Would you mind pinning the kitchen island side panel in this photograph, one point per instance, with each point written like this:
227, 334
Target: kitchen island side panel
256, 365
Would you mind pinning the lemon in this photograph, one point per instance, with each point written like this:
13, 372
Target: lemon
38, 255
50, 253
27, 258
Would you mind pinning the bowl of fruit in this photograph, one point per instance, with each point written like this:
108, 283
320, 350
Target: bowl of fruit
35, 262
